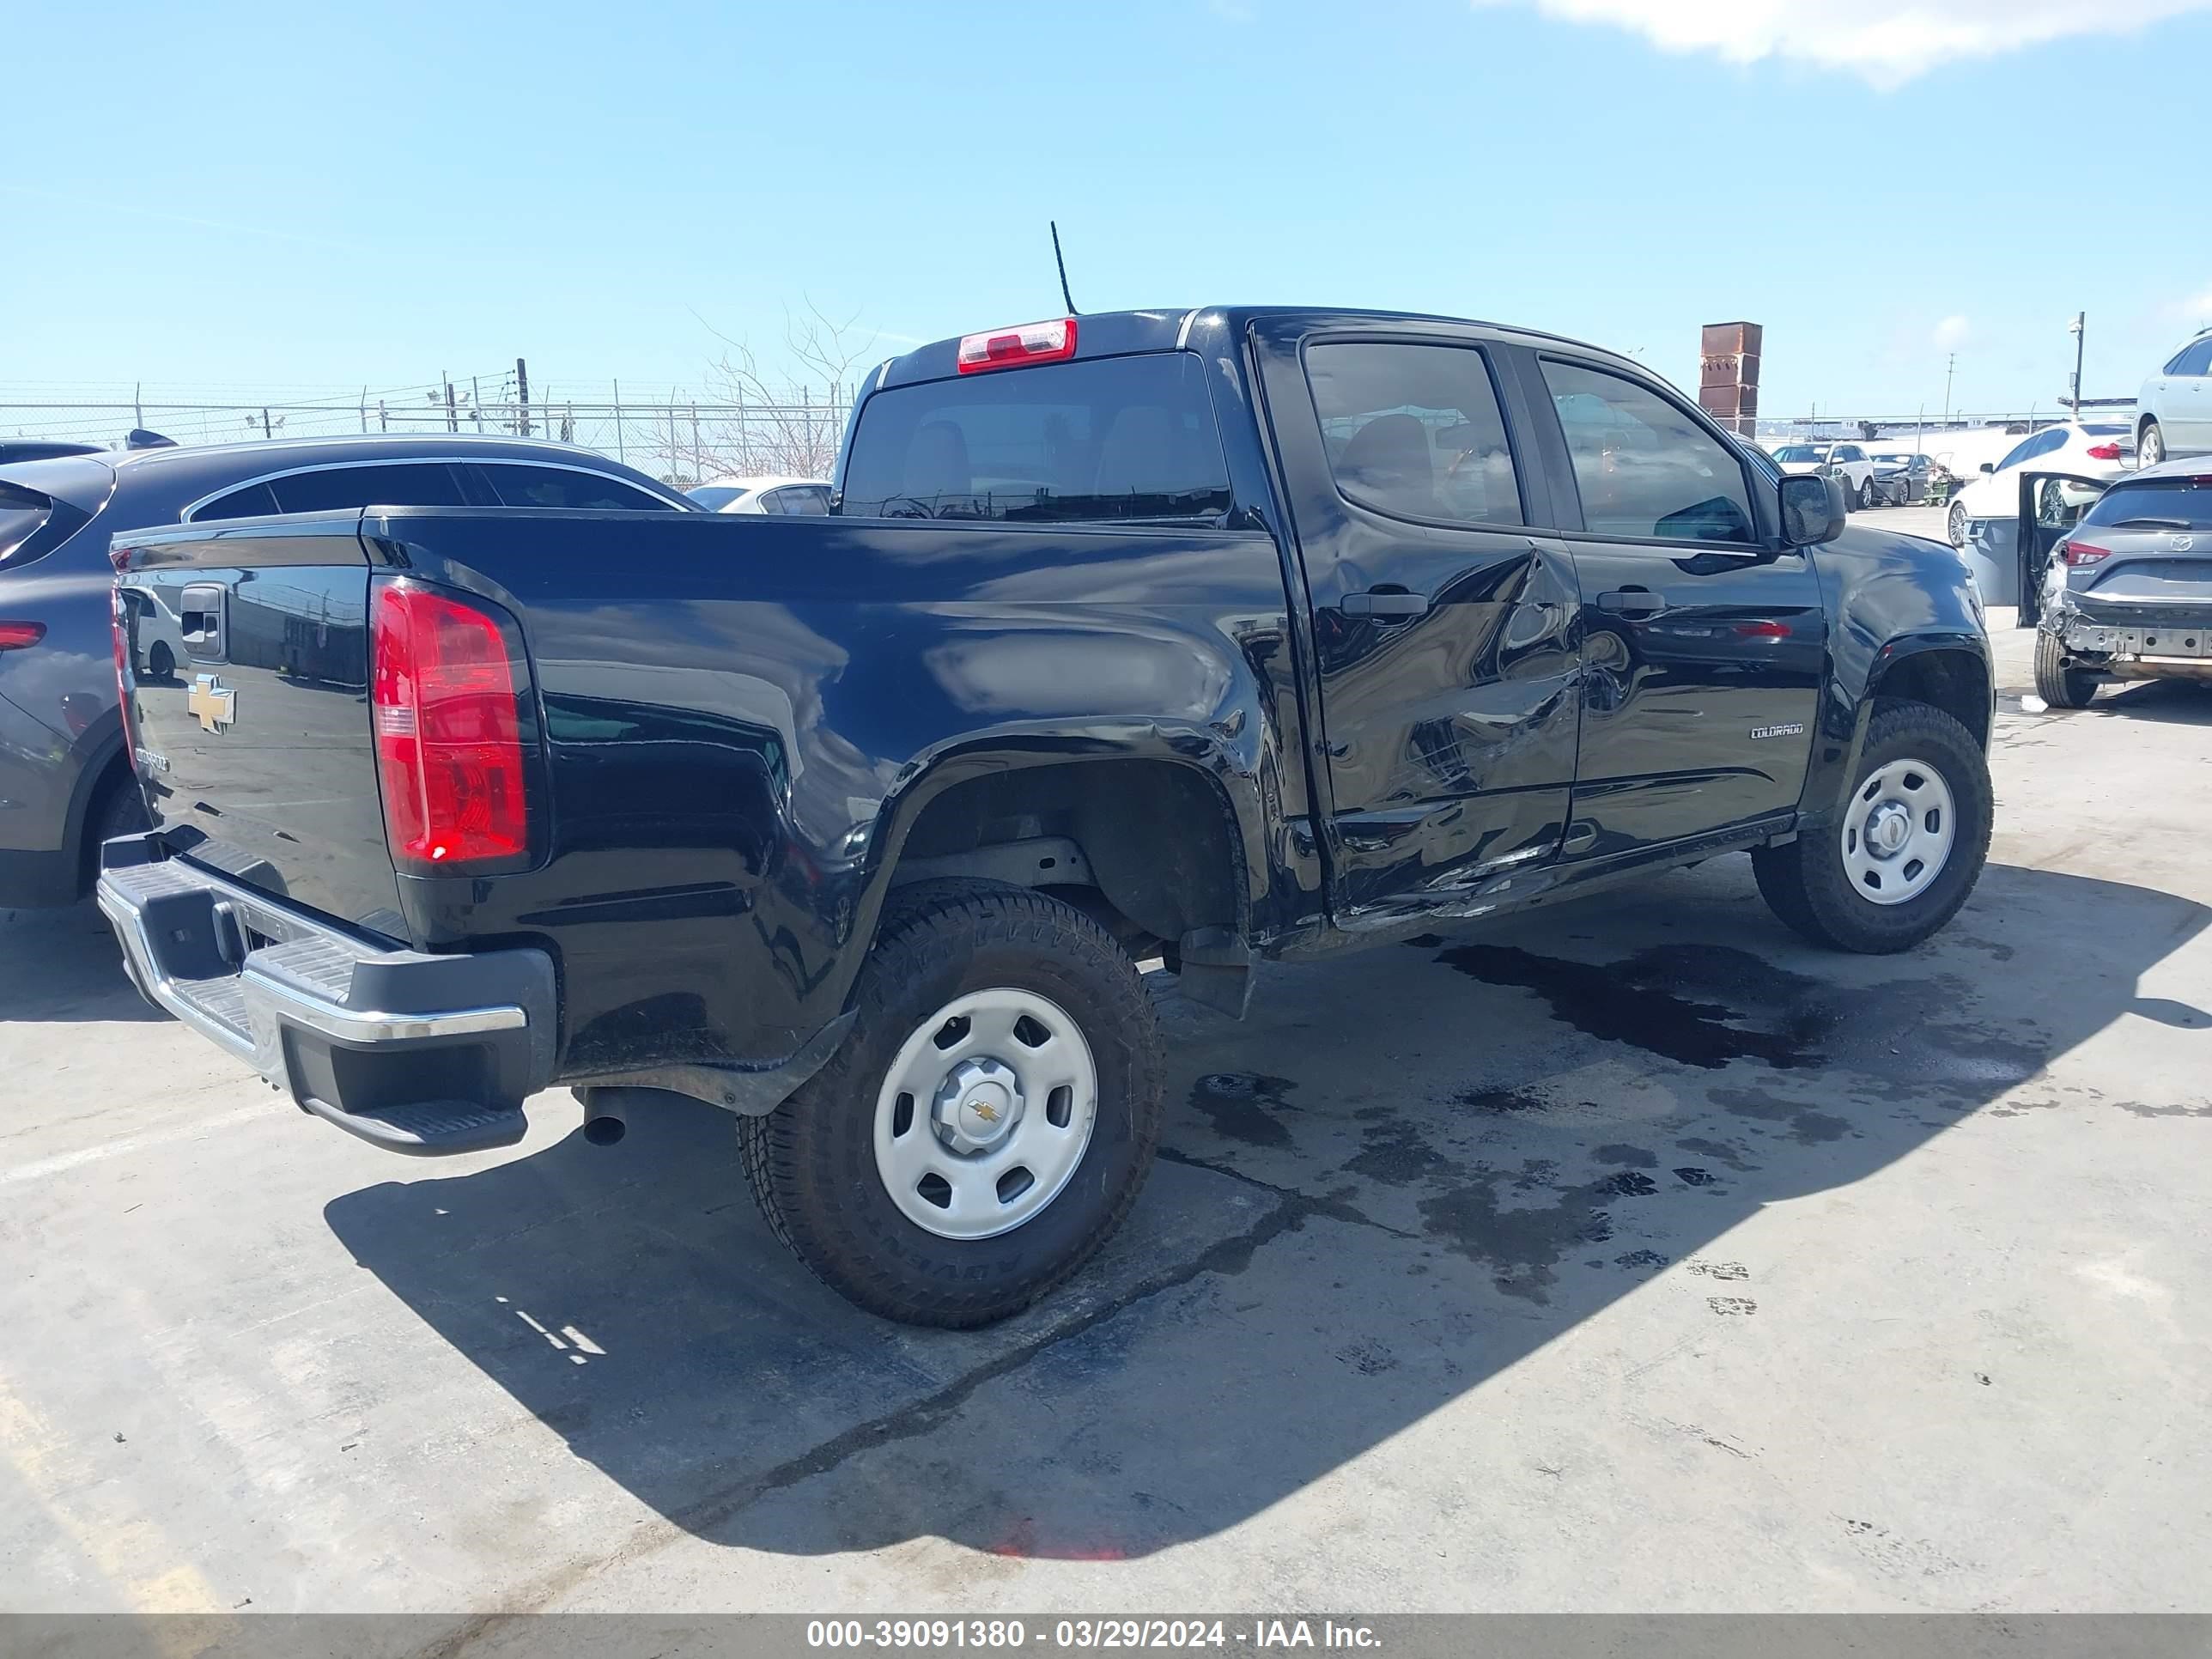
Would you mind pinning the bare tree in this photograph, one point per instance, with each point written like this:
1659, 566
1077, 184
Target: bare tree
760, 427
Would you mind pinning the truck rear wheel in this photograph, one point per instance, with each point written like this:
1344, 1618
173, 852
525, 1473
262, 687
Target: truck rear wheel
2060, 686
1905, 851
988, 1123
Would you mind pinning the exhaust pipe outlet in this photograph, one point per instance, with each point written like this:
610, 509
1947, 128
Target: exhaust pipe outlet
605, 1121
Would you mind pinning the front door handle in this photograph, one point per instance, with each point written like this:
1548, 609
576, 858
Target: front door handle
1631, 602
1387, 604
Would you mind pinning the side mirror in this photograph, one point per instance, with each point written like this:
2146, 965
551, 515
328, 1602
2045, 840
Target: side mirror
1989, 467
1812, 509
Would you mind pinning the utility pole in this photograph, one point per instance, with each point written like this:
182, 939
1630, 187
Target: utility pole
383, 421
522, 393
364, 409
2079, 328
1947, 369
453, 416
139, 405
621, 454
476, 399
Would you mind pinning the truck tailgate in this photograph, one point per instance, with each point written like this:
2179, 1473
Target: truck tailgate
246, 657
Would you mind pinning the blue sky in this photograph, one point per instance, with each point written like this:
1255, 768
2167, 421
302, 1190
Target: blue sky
303, 195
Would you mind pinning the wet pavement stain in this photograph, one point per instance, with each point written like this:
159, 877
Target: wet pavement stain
1523, 1247
1241, 1106
1691, 1176
1665, 1000
1394, 1152
1641, 1258
1629, 1183
1807, 1126
1723, 1152
1634, 1157
1502, 1101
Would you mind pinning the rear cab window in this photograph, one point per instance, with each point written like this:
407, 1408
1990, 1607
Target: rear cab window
1113, 438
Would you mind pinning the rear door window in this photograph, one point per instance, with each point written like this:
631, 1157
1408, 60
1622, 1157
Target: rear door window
802, 499
1645, 470
23, 513
1414, 430
560, 486
341, 489
253, 502
1114, 438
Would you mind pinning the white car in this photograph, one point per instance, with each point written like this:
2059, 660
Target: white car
2173, 411
2096, 450
1849, 462
807, 497
1984, 516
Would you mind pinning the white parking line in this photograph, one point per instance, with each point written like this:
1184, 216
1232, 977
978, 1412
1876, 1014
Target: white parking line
39, 1169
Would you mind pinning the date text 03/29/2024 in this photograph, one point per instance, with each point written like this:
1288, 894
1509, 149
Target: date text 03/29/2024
954, 1634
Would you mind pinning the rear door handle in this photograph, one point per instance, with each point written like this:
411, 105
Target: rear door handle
1378, 603
1631, 602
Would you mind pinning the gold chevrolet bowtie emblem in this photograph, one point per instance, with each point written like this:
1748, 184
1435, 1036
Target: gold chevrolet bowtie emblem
211, 703
989, 1113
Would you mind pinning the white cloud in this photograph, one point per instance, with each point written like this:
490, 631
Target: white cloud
1887, 42
1951, 333
2197, 309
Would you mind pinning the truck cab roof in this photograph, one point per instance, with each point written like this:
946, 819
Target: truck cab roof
1121, 333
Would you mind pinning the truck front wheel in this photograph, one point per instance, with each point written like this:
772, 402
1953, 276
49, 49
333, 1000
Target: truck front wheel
987, 1124
1905, 851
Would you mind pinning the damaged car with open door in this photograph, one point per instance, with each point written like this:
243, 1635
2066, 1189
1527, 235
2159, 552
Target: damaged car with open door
2119, 587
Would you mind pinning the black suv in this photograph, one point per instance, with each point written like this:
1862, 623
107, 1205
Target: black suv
64, 778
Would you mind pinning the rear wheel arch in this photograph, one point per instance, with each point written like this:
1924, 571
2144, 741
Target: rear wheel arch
104, 774
1161, 851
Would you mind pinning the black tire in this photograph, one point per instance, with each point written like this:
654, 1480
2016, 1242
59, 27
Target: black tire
1855, 497
160, 661
1805, 883
1954, 524
2060, 686
2150, 445
811, 1163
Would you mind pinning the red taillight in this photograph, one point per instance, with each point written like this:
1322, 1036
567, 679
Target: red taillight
2083, 553
14, 636
2104, 452
444, 695
1009, 347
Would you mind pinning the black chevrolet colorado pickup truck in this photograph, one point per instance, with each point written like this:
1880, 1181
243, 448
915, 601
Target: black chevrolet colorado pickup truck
1216, 635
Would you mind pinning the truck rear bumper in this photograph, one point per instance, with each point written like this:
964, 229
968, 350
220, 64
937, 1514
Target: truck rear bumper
416, 1053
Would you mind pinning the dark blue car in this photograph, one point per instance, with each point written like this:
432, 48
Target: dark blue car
65, 779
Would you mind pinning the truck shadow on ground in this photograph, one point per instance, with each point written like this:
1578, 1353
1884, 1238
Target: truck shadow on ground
1408, 1171
64, 964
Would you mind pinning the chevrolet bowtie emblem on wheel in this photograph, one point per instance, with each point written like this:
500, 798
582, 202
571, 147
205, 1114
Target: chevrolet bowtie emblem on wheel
211, 703
988, 1112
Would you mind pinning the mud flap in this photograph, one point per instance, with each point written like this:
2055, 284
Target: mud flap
1216, 969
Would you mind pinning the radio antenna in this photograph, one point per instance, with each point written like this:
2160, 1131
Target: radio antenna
1062, 263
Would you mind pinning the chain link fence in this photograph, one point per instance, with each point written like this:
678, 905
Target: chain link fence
682, 440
